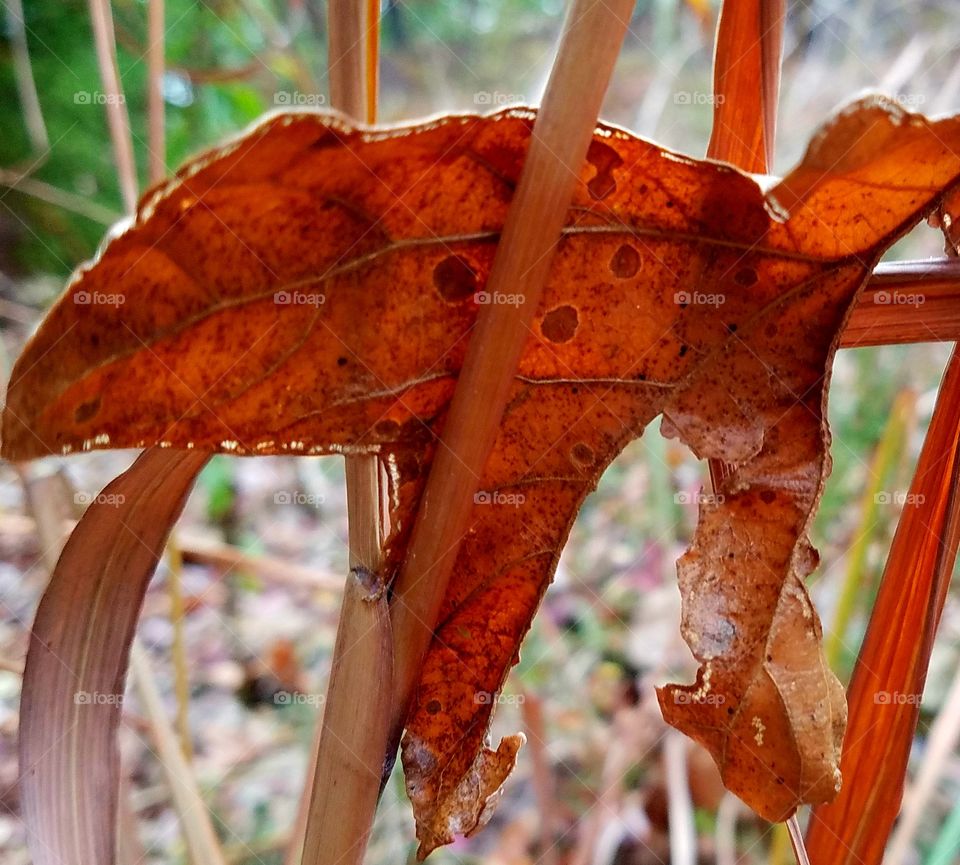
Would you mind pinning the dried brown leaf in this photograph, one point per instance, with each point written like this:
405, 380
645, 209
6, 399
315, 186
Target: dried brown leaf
312, 287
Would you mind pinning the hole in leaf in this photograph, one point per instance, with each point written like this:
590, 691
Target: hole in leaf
625, 262
560, 324
455, 279
604, 158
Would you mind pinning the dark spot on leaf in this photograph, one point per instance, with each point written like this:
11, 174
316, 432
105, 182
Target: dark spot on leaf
625, 262
455, 279
433, 707
560, 324
768, 497
684, 349
583, 454
387, 429
731, 328
746, 276
86, 411
341, 361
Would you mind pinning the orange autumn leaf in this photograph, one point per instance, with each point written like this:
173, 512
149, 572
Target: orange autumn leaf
311, 288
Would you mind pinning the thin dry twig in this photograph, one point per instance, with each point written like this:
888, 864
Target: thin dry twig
117, 119
156, 139
194, 817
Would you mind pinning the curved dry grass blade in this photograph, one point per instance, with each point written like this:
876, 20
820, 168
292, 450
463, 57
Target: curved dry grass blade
746, 83
884, 694
77, 659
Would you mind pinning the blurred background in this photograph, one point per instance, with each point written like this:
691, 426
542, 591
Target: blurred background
260, 552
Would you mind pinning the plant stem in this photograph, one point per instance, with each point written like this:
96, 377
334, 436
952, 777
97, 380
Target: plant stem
564, 126
907, 301
117, 119
346, 783
178, 648
156, 140
347, 774
202, 844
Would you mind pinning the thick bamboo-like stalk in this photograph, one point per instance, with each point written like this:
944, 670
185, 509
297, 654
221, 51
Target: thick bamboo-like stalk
346, 775
905, 302
346, 784
589, 46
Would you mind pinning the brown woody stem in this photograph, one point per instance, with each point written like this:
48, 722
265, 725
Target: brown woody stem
558, 146
349, 761
905, 302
